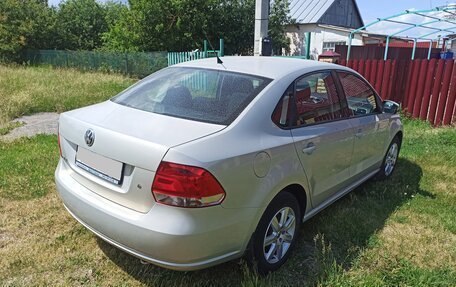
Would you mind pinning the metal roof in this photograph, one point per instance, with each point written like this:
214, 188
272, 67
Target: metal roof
309, 11
340, 13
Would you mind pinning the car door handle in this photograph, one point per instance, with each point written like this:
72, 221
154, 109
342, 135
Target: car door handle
359, 133
309, 149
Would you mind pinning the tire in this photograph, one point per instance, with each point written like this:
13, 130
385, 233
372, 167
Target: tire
389, 161
274, 238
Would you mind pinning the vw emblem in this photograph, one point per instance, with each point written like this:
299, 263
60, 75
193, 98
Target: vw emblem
89, 137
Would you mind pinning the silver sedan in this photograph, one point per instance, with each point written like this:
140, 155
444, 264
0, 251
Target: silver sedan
201, 162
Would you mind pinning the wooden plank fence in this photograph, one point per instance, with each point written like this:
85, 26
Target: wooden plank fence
425, 88
377, 52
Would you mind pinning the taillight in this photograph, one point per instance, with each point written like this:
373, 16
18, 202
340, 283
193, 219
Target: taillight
186, 186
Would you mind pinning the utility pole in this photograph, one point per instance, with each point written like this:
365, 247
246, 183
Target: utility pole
261, 24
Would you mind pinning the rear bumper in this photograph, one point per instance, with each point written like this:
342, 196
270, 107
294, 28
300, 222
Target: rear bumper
171, 237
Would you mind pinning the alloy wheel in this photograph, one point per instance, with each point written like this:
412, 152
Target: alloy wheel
391, 158
279, 235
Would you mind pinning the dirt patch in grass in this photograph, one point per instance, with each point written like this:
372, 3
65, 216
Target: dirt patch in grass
29, 126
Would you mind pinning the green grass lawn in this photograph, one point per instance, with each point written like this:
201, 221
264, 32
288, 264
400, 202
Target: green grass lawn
400, 232
25, 90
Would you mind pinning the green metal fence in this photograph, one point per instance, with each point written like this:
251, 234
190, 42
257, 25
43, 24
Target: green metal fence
180, 57
133, 63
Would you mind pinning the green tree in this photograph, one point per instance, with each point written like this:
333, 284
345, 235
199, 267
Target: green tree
182, 25
143, 25
113, 11
235, 22
278, 18
176, 25
80, 25
24, 24
123, 32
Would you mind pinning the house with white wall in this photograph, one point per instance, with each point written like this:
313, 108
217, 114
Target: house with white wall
321, 25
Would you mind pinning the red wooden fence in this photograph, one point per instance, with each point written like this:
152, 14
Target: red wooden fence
425, 88
375, 52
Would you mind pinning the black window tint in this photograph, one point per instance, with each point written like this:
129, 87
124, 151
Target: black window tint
360, 97
316, 99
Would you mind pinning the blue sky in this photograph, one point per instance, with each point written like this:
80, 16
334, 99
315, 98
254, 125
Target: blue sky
373, 9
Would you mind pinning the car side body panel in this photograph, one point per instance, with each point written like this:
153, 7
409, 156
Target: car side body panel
252, 158
230, 154
371, 135
327, 164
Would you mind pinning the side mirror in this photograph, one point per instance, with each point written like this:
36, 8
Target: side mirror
390, 107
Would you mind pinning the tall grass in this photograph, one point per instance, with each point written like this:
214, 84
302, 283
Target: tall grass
28, 90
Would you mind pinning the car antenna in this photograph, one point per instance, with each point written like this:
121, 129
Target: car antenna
219, 61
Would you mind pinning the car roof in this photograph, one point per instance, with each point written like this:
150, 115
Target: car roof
270, 67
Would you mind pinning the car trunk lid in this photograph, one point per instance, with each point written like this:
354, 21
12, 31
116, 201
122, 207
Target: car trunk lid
126, 138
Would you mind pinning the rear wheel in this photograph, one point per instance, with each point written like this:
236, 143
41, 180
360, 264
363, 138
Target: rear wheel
390, 159
276, 233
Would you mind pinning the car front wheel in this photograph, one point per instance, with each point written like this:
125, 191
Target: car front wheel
390, 159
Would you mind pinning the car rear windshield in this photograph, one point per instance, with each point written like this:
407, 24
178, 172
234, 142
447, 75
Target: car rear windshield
205, 95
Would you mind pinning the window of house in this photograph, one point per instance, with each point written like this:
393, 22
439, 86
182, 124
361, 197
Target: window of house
361, 98
331, 46
316, 99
